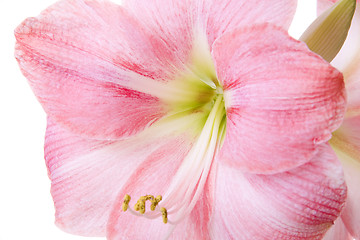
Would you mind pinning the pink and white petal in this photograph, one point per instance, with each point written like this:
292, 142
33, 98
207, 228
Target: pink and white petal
351, 213
348, 59
152, 177
178, 20
280, 98
124, 225
196, 225
102, 31
171, 21
348, 136
346, 143
299, 204
338, 232
352, 85
225, 16
94, 67
87, 174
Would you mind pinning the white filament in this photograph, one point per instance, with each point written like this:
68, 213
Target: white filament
189, 181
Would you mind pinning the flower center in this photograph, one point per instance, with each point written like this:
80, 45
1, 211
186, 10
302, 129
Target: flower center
196, 91
188, 183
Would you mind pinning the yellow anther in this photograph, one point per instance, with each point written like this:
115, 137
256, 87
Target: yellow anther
164, 214
137, 207
149, 197
158, 198
142, 198
141, 207
125, 204
155, 202
153, 206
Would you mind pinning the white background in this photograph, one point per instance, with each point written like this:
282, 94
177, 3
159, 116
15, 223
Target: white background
26, 207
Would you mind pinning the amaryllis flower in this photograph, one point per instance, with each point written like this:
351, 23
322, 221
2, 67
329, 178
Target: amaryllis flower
185, 119
346, 140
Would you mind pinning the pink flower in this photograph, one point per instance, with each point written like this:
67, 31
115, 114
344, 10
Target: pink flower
206, 103
346, 140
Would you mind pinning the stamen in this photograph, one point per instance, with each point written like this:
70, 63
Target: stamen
164, 215
155, 202
125, 204
141, 207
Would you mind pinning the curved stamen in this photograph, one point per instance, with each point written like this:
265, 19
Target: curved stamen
140, 205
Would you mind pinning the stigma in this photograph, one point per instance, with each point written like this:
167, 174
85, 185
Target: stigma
140, 205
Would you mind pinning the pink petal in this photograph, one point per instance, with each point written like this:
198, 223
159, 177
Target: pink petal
228, 15
152, 177
178, 20
94, 68
346, 142
196, 225
352, 85
338, 232
281, 99
351, 213
87, 174
349, 136
124, 225
348, 61
299, 204
168, 20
